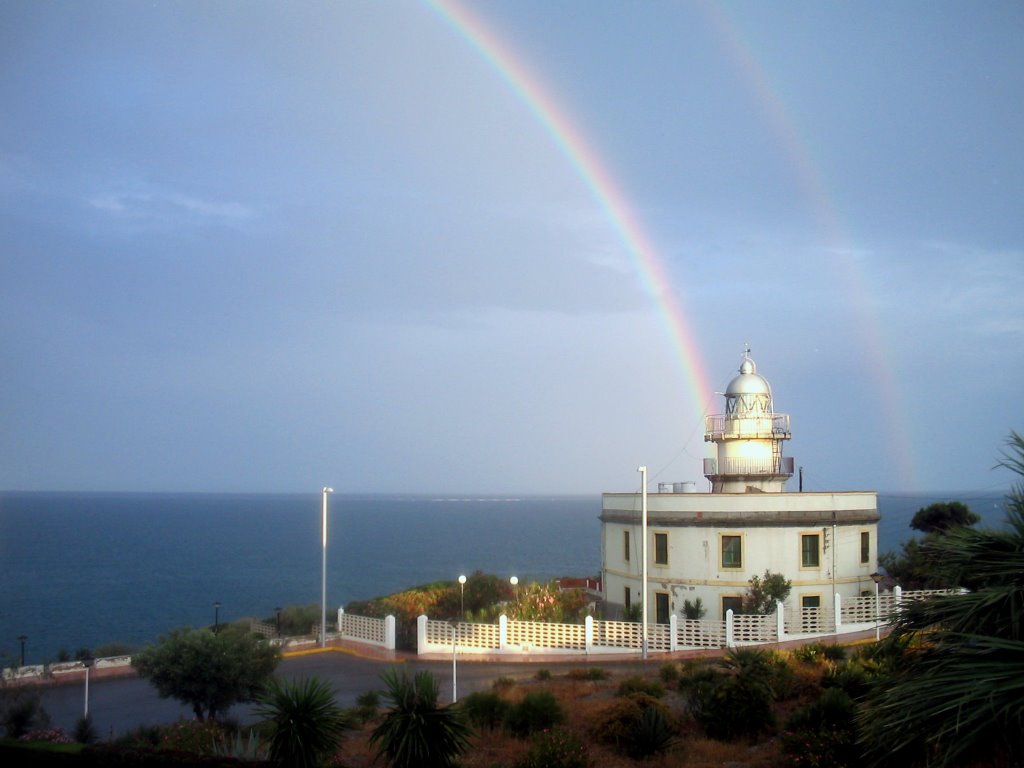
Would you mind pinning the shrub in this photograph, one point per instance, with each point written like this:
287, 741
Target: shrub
84, 732
736, 707
367, 704
854, 677
21, 710
823, 733
416, 732
588, 673
637, 725
503, 683
669, 673
543, 674
555, 748
308, 725
638, 684
537, 711
195, 736
815, 653
695, 684
484, 709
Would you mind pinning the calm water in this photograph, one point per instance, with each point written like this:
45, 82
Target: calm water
86, 569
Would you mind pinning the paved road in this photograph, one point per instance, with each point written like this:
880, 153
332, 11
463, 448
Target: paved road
122, 704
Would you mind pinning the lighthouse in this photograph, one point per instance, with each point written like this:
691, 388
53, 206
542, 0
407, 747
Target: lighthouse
706, 547
748, 437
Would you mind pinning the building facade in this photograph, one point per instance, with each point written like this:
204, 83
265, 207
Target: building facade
707, 546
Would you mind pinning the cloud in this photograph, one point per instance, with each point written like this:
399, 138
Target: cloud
166, 207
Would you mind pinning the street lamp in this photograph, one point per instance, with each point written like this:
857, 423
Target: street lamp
278, 612
877, 578
88, 661
643, 558
216, 617
455, 687
323, 573
462, 596
22, 639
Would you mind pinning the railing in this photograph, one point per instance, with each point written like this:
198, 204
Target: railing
783, 465
364, 629
775, 425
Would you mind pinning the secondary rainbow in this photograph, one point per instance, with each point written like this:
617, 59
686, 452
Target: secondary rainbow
599, 181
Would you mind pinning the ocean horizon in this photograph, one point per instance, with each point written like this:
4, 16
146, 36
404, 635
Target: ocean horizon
90, 568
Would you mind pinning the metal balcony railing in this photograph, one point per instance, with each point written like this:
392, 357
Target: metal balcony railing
775, 425
783, 465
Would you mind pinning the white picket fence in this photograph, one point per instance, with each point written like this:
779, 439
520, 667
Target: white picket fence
600, 637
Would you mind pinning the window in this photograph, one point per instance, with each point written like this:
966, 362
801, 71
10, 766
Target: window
661, 549
661, 607
810, 550
734, 604
625, 545
732, 551
865, 546
810, 601
626, 601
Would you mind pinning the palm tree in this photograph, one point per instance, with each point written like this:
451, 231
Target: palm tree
959, 695
416, 732
308, 725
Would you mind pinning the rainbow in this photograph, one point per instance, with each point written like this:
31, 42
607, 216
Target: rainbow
849, 268
653, 275
588, 166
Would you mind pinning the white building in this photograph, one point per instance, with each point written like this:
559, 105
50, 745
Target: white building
709, 545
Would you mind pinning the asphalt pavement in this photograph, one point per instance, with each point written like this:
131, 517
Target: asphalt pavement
120, 705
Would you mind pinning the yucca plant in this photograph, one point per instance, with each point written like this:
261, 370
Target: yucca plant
416, 732
307, 724
959, 693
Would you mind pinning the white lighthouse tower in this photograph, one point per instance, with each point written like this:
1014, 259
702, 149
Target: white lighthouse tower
749, 437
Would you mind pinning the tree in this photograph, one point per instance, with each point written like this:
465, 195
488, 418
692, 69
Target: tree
913, 567
958, 693
943, 516
307, 724
694, 610
764, 593
416, 732
208, 671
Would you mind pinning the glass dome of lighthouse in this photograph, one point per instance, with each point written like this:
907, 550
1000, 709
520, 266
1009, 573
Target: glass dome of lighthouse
748, 394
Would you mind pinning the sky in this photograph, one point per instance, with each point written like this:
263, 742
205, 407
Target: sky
505, 247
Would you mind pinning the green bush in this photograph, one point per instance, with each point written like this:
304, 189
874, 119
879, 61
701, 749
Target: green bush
695, 684
669, 673
587, 673
416, 732
823, 733
555, 748
367, 704
85, 732
638, 684
484, 710
543, 674
637, 725
735, 707
537, 711
503, 683
308, 725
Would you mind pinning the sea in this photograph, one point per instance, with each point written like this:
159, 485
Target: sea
80, 570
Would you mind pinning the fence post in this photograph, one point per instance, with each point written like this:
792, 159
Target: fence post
421, 634
389, 632
502, 632
838, 608
673, 627
341, 622
729, 642
780, 621
588, 633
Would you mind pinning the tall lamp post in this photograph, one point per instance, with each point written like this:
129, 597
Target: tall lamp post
323, 572
877, 578
22, 639
216, 617
643, 558
88, 661
462, 597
